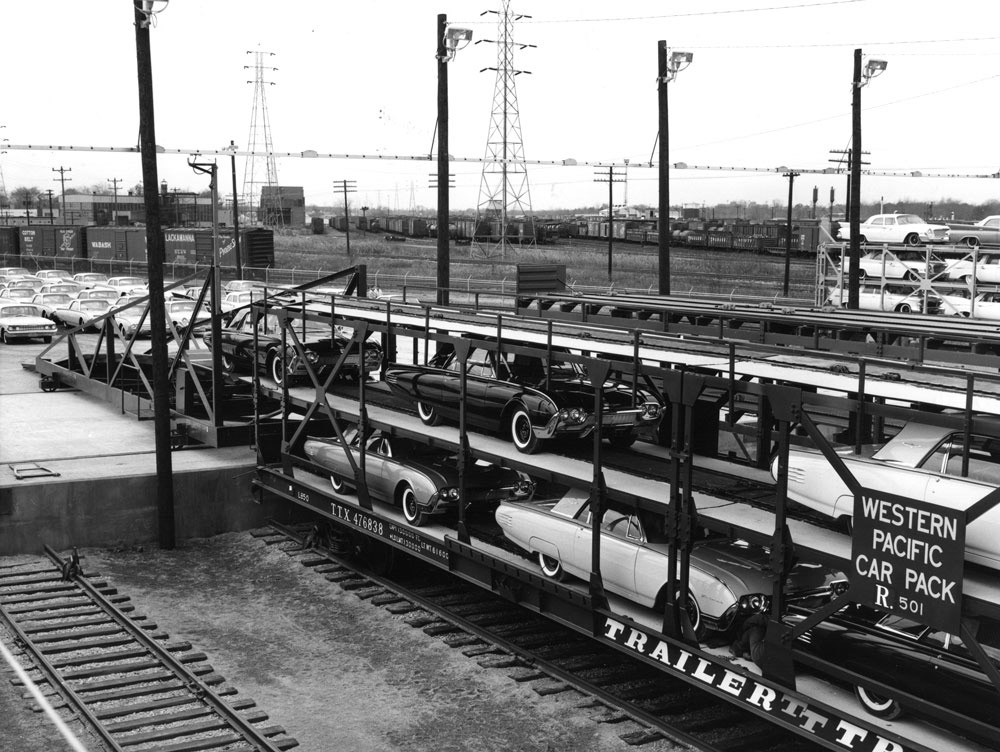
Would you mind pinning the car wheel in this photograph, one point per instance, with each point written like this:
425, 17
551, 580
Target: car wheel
912, 239
862, 239
551, 568
521, 431
428, 415
912, 276
340, 485
862, 275
227, 363
904, 308
878, 705
411, 511
694, 616
972, 242
622, 439
278, 369
967, 280
3, 337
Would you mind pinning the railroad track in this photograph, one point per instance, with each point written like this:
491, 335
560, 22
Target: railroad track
126, 681
651, 706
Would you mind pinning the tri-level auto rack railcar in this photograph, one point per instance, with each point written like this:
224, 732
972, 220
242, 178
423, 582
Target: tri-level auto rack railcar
800, 389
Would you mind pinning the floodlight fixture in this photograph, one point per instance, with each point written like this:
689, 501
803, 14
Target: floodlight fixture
150, 9
455, 38
873, 68
677, 62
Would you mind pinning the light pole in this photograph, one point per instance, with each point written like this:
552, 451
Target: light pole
611, 177
872, 69
144, 11
364, 218
667, 70
114, 216
449, 39
791, 175
236, 213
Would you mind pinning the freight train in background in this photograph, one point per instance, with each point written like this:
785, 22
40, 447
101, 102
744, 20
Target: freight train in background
727, 234
183, 246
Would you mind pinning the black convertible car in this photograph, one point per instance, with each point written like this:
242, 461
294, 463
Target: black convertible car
524, 397
322, 348
892, 651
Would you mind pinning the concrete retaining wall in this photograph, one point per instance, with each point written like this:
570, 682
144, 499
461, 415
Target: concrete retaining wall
122, 510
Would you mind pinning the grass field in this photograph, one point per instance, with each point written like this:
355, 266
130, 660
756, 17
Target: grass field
634, 269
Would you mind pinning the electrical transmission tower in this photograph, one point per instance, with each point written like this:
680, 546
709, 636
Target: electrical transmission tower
503, 190
261, 191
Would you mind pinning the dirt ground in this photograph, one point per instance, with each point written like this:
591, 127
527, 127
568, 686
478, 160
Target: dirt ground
336, 671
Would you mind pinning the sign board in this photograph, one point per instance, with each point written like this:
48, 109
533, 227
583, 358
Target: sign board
908, 558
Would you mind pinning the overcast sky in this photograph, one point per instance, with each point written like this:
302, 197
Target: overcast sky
769, 87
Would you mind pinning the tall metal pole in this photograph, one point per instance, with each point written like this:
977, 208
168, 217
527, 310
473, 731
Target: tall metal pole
157, 307
62, 181
443, 238
236, 215
51, 215
854, 277
347, 221
663, 242
791, 175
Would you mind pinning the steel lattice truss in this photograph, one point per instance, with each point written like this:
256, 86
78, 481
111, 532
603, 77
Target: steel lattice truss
260, 172
504, 194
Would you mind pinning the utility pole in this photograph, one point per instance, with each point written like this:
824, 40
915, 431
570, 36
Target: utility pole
347, 186
791, 175
51, 216
62, 180
663, 236
114, 182
610, 178
157, 305
831, 211
854, 252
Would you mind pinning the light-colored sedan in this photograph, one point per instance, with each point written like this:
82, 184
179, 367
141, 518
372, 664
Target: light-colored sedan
52, 275
181, 311
72, 288
22, 321
421, 479
29, 283
920, 462
81, 312
127, 285
17, 293
899, 264
48, 302
90, 279
898, 298
986, 305
99, 293
904, 229
729, 579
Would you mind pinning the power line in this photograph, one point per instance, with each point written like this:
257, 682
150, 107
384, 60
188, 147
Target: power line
692, 14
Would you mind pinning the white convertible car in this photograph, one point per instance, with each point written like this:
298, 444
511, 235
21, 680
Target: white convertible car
921, 462
729, 579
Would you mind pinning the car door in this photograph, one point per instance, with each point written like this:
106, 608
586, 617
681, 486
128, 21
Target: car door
379, 464
479, 374
947, 487
619, 550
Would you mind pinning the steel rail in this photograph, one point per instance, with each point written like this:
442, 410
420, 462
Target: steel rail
245, 729
641, 717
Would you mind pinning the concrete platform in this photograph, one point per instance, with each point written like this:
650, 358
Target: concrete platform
77, 471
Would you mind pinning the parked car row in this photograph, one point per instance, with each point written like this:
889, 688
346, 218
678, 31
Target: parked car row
907, 229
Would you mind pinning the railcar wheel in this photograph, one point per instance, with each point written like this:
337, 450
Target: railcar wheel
912, 239
521, 431
551, 568
411, 511
428, 415
878, 705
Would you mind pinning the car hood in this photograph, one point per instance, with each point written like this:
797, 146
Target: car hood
580, 393
24, 321
750, 565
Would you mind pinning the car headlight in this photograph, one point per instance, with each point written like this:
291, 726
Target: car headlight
450, 493
312, 356
839, 587
756, 603
572, 415
651, 410
524, 487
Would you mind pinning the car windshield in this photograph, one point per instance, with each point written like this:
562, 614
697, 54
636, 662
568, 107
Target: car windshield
131, 281
909, 219
18, 311
102, 295
55, 298
93, 305
182, 307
